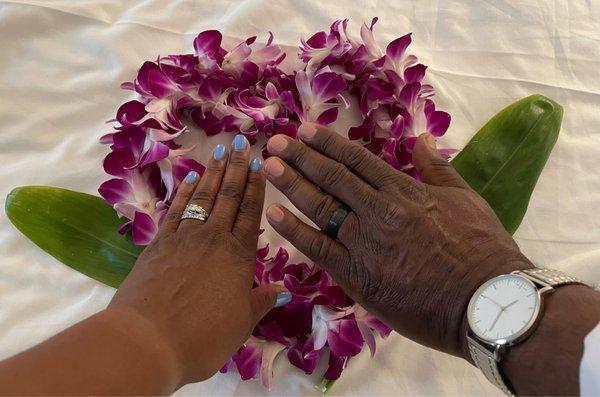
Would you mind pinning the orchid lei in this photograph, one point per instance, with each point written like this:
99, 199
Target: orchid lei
244, 90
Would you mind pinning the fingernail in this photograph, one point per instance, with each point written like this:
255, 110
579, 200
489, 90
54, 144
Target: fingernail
239, 142
430, 141
275, 213
255, 164
277, 144
219, 152
307, 131
191, 177
273, 167
283, 298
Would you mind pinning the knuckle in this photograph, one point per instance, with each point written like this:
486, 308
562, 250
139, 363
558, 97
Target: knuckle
392, 214
328, 143
299, 154
354, 155
231, 191
335, 174
203, 196
293, 184
238, 162
174, 216
249, 206
213, 168
322, 209
321, 248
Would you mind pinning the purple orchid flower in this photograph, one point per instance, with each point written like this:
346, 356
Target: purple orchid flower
319, 96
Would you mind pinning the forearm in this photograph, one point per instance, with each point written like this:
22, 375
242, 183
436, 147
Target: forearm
112, 352
548, 361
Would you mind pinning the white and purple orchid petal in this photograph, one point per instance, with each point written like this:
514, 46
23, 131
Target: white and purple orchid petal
396, 49
208, 42
270, 350
415, 73
361, 131
366, 34
116, 191
249, 358
163, 136
409, 94
327, 117
155, 152
207, 46
344, 338
143, 229
335, 366
107, 139
438, 122
397, 126
119, 162
130, 112
159, 85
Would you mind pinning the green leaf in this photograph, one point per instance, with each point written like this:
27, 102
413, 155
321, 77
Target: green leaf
503, 161
78, 229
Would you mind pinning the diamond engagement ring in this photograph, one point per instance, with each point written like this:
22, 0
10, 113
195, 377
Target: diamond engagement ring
194, 211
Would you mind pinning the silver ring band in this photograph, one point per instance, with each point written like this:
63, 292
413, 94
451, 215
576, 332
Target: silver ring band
194, 211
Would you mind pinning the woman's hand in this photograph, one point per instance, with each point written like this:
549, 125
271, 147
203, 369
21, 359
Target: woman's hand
192, 284
411, 252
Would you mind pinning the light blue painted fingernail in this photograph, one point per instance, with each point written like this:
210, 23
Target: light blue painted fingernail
283, 298
239, 142
220, 151
191, 177
255, 164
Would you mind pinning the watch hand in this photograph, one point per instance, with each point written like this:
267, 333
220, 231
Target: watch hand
496, 320
509, 305
491, 300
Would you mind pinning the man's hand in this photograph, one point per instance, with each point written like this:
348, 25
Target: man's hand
412, 252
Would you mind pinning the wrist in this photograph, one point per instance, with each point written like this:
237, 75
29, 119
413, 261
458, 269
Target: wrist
135, 330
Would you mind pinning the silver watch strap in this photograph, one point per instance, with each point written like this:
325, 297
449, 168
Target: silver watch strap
487, 362
549, 277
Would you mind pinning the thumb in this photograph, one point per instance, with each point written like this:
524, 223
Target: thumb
434, 169
266, 297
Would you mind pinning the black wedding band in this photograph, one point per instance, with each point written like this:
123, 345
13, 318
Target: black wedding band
336, 221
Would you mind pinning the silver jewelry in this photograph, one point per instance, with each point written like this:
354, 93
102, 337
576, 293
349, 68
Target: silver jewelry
194, 211
487, 354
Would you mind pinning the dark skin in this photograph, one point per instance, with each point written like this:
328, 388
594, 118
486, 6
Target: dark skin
411, 252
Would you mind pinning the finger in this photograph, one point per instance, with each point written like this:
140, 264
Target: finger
208, 187
313, 202
316, 245
359, 160
434, 169
247, 224
330, 175
233, 186
266, 297
182, 197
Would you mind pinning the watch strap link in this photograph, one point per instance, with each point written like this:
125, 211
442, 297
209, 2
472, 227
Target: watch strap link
487, 362
550, 277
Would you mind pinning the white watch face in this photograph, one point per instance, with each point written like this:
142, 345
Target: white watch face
504, 308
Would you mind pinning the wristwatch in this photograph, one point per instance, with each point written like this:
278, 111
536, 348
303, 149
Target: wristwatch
503, 312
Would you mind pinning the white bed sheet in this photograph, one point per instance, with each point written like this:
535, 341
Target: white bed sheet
61, 63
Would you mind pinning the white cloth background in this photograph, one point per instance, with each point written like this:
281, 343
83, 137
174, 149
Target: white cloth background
61, 63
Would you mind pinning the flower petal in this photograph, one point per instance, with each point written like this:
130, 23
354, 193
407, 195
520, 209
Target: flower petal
143, 229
